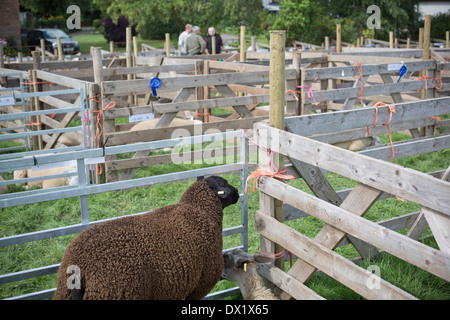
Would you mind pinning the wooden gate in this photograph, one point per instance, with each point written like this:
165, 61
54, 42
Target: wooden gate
344, 217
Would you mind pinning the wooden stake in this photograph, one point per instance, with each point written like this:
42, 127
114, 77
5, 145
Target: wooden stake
213, 44
43, 48
276, 110
254, 43
426, 37
426, 45
447, 36
2, 63
167, 45
327, 43
135, 46
129, 59
420, 38
94, 90
60, 50
111, 47
128, 48
243, 45
391, 39
338, 38
408, 43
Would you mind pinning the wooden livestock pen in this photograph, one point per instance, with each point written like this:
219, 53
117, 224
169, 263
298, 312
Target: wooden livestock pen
305, 144
184, 87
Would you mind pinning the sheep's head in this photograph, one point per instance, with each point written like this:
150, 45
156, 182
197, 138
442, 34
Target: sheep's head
239, 267
226, 192
238, 264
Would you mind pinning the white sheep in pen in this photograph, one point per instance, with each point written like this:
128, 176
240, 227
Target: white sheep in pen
239, 267
49, 183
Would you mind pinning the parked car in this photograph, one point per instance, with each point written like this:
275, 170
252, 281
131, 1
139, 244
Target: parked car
69, 45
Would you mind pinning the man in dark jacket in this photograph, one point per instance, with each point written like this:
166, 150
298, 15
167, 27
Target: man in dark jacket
208, 40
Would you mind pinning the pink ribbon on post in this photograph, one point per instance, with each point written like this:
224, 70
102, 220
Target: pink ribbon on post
311, 94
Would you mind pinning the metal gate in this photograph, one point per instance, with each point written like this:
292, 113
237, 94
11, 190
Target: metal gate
82, 159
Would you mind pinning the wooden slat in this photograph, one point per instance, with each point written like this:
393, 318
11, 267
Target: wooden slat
171, 84
372, 90
326, 260
166, 133
358, 202
61, 80
190, 105
168, 158
406, 183
414, 252
287, 283
240, 109
361, 118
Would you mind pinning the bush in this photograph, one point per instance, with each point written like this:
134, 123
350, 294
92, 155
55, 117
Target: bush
117, 31
96, 23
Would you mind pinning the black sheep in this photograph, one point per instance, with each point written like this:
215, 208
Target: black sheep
174, 252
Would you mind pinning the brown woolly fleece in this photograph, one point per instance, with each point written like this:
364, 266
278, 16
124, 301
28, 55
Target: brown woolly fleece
174, 252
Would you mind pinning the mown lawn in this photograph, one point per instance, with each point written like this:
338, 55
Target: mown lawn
98, 40
52, 214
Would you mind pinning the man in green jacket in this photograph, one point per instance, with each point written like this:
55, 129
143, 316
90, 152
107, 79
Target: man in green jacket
195, 43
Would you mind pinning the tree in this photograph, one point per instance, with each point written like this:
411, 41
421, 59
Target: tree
245, 13
117, 31
294, 17
49, 8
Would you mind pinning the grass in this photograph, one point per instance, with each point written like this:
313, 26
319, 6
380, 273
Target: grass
58, 213
98, 40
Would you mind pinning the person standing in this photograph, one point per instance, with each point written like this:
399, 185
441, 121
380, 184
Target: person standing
195, 43
183, 37
208, 39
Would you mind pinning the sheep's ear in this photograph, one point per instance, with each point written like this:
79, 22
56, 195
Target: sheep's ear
264, 257
200, 178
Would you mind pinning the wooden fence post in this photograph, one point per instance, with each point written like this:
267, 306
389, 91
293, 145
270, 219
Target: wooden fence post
167, 45
253, 43
338, 38
43, 48
447, 36
276, 110
243, 45
420, 38
95, 90
60, 49
213, 44
129, 58
426, 46
135, 46
38, 142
